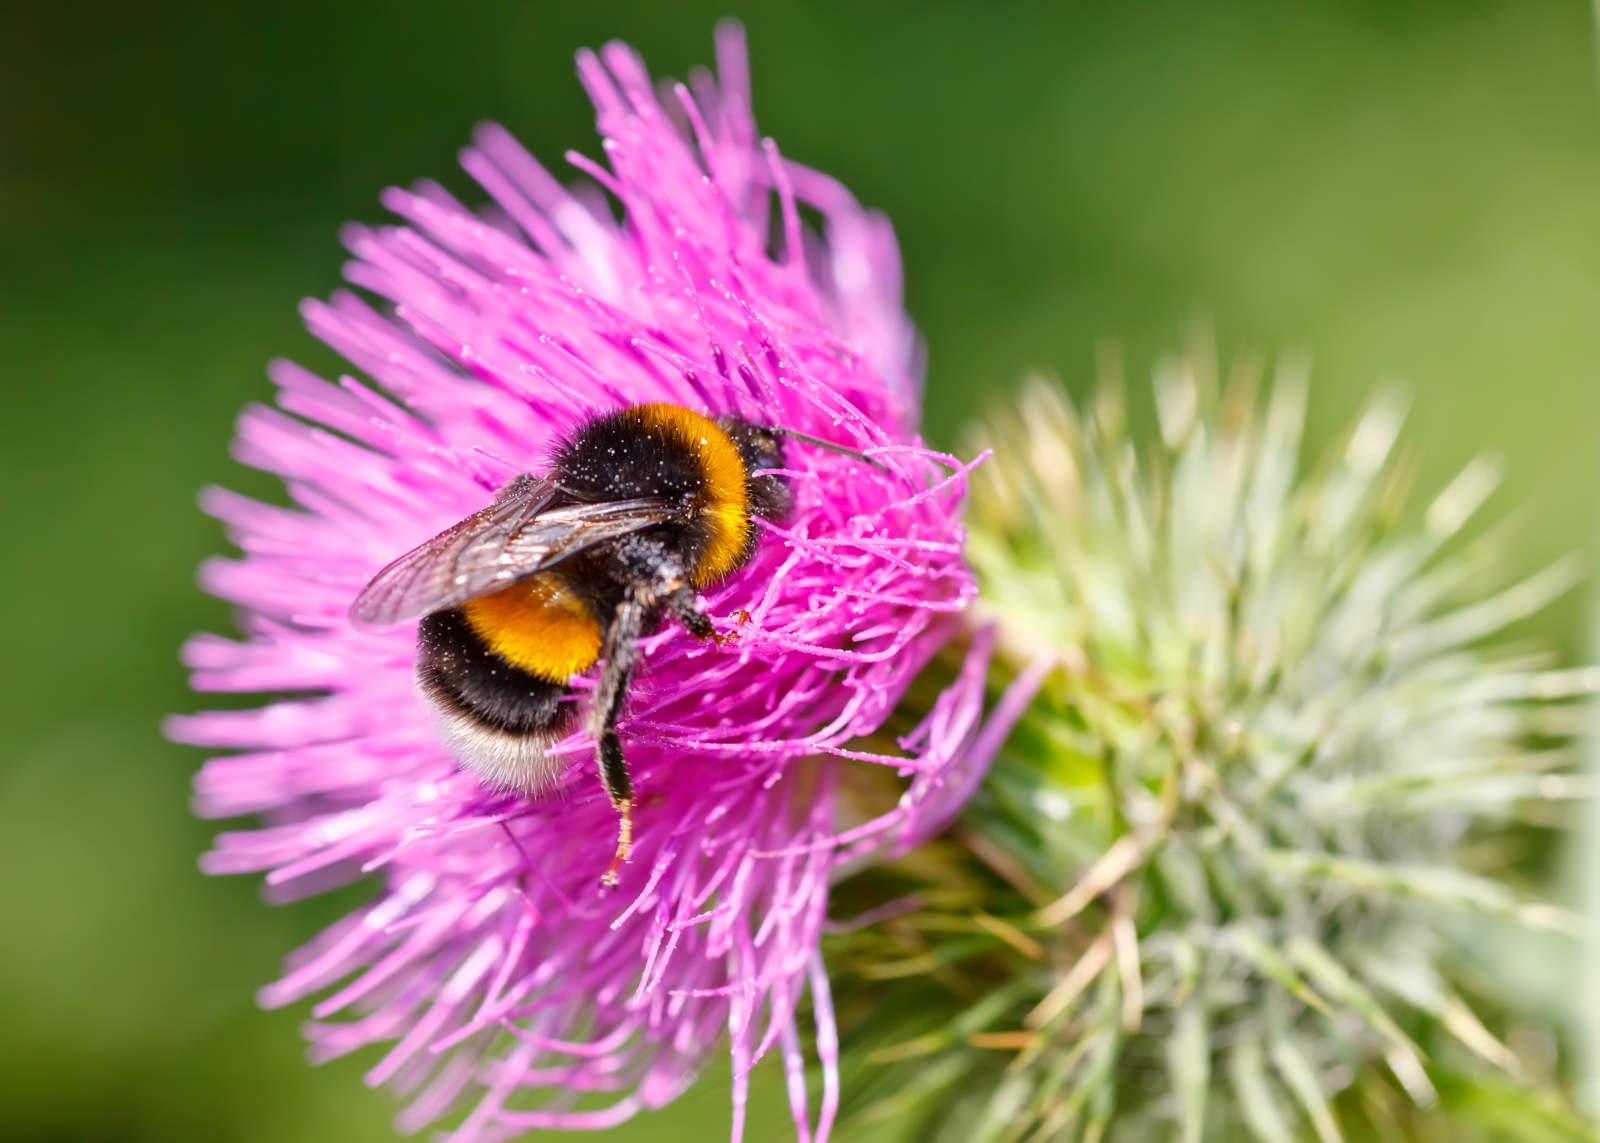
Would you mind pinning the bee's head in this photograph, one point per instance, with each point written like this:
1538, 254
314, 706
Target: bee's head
761, 451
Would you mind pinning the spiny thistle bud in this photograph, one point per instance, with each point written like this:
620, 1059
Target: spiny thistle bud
1225, 878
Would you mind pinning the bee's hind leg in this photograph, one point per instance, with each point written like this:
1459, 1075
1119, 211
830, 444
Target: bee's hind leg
621, 650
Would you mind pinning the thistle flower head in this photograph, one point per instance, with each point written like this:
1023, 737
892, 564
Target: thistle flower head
1220, 874
496, 973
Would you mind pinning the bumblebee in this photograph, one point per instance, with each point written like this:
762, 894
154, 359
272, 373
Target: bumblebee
642, 508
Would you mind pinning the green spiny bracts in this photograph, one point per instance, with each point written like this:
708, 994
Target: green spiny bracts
1225, 878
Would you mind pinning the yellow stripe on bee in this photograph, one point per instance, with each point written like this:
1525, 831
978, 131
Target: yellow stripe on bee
727, 487
539, 625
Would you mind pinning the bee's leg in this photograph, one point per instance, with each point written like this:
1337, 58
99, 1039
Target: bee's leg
621, 649
680, 602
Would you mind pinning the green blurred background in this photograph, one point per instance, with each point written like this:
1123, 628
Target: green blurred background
1408, 191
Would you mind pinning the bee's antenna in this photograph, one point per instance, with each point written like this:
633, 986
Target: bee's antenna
844, 450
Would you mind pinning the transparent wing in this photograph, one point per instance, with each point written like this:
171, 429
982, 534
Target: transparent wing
509, 540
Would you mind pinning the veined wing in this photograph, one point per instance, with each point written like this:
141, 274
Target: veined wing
509, 540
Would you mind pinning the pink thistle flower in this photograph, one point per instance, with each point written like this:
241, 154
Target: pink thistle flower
502, 978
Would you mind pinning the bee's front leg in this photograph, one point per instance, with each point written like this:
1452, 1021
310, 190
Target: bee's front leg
680, 602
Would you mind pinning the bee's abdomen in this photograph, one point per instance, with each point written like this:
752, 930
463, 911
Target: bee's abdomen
542, 625
462, 676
